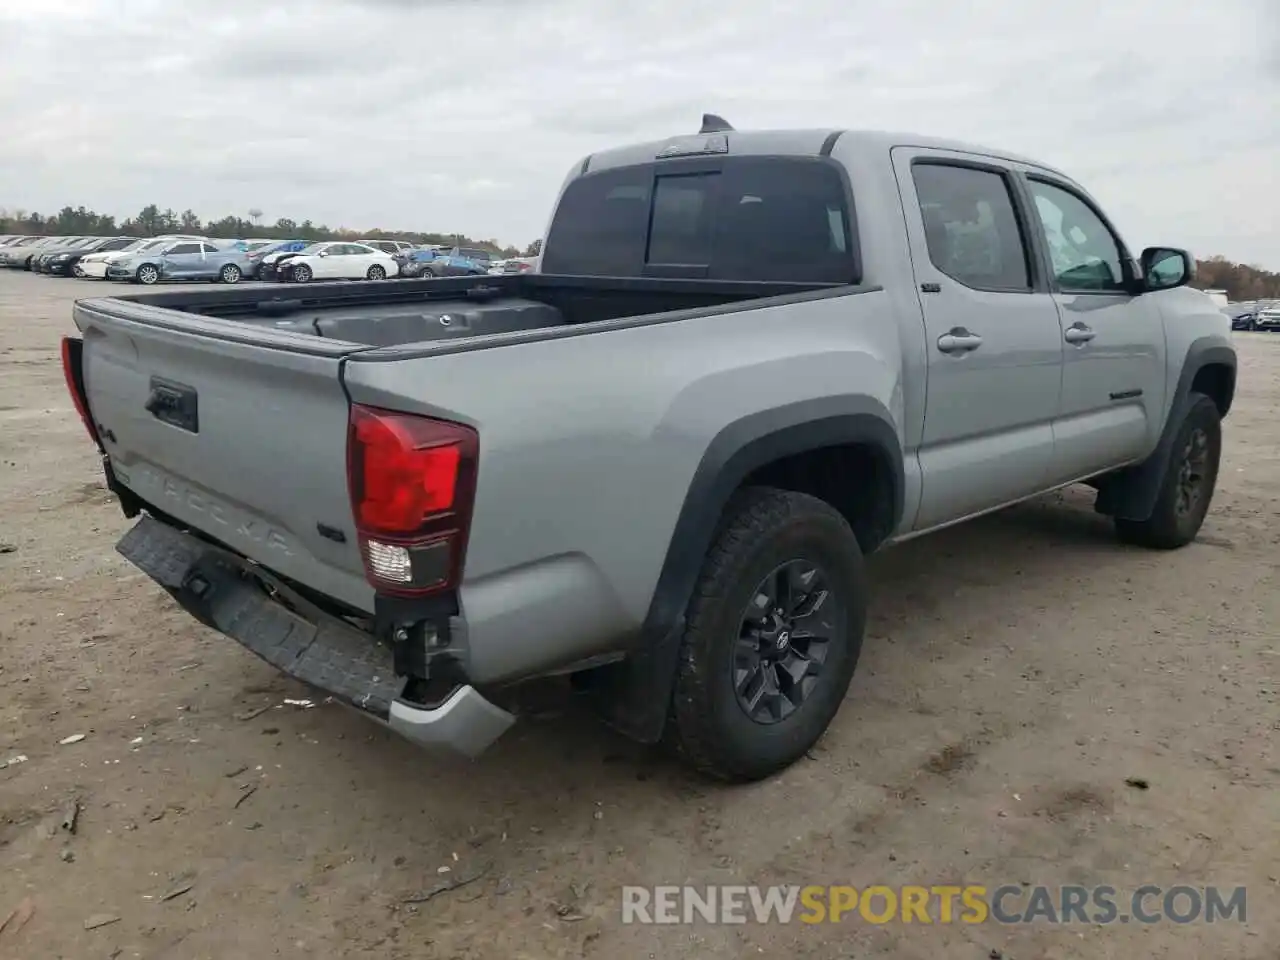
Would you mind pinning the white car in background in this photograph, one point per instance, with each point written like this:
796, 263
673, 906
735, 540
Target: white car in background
339, 260
94, 266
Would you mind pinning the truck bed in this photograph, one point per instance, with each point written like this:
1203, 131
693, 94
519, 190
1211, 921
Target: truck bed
420, 311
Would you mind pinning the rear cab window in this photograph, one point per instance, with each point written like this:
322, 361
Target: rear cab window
763, 218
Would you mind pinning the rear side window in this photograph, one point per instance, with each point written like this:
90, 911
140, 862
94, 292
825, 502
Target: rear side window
970, 226
781, 219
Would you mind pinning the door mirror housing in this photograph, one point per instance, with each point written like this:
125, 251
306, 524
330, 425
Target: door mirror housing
323, 253
1164, 268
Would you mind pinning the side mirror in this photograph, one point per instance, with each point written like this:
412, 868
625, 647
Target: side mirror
323, 253
1164, 268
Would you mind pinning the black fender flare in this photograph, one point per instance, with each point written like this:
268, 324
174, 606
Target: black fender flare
1130, 494
634, 694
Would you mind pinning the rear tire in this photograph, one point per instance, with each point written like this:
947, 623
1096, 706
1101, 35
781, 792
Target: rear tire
1188, 484
737, 714
376, 273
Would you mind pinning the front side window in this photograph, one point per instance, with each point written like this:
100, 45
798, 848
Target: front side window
178, 249
971, 227
1085, 254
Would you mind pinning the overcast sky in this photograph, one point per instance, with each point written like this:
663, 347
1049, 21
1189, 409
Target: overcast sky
464, 115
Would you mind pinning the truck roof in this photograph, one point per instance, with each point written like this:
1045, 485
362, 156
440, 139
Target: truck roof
804, 142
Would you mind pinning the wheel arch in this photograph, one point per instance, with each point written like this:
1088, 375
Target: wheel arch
636, 692
1208, 368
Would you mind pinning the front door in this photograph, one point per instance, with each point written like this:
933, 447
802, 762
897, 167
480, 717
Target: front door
207, 265
328, 264
179, 261
1113, 374
992, 334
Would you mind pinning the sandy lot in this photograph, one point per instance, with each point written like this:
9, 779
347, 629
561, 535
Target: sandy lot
1017, 671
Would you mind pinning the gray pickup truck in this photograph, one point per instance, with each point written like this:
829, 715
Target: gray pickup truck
749, 359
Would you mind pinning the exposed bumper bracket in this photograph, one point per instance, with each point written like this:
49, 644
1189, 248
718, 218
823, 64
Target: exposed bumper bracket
247, 604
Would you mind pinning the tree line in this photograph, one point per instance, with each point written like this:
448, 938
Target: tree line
1241, 281
151, 221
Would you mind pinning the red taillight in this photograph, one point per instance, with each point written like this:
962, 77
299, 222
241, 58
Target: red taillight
412, 484
73, 371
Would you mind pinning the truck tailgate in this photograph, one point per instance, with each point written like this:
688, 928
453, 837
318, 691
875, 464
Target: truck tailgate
237, 431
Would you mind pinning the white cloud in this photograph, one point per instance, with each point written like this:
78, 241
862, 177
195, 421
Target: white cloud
457, 115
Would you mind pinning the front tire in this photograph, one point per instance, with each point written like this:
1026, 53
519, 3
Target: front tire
147, 275
376, 272
229, 274
301, 273
1186, 489
773, 634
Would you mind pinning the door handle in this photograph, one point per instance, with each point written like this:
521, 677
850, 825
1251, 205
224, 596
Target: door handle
959, 340
1079, 333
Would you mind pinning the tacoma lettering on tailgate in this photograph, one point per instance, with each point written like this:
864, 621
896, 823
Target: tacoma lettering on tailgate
256, 531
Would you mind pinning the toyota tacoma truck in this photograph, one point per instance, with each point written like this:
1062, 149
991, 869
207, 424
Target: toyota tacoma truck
749, 360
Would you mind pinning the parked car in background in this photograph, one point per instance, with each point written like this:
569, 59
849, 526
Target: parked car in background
53, 249
511, 265
93, 266
249, 246
262, 254
416, 262
181, 260
1242, 314
338, 260
461, 262
396, 248
1267, 316
272, 264
17, 256
66, 262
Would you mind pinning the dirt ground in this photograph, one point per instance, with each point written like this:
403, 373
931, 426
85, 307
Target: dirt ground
1017, 671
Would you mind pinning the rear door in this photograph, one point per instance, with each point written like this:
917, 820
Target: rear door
235, 430
992, 332
1113, 375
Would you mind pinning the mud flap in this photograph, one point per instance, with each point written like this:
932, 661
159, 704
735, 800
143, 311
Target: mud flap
1131, 494
247, 604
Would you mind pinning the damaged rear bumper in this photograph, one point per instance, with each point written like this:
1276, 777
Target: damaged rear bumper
241, 600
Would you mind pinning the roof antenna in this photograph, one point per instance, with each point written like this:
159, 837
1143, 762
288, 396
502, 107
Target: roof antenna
714, 124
